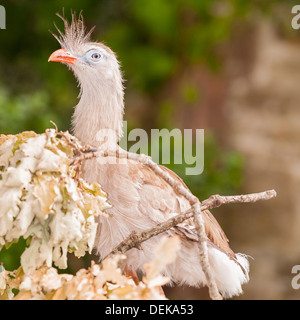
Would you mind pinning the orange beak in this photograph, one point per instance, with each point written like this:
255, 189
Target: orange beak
61, 55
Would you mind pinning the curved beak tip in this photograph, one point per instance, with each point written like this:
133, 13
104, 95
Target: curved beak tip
61, 55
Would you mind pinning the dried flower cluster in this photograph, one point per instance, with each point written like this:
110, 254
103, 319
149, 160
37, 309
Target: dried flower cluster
44, 201
105, 282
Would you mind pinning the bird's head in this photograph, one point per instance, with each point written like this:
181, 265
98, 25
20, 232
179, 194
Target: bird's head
90, 61
97, 69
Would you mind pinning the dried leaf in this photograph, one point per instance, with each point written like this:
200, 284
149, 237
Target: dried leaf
45, 190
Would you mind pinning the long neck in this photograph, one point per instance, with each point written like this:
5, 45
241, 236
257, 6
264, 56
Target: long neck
99, 114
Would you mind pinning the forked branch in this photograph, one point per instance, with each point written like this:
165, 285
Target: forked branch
195, 212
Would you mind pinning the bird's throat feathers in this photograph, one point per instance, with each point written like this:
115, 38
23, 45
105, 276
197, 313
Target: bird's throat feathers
98, 116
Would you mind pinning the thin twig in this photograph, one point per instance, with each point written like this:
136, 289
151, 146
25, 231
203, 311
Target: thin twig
212, 202
203, 253
134, 240
54, 124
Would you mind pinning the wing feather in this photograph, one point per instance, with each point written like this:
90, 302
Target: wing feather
159, 200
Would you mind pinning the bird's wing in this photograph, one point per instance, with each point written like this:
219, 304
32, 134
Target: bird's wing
159, 200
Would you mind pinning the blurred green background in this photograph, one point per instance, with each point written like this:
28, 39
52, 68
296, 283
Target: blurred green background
170, 52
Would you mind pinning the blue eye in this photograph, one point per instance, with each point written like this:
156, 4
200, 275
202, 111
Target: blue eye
96, 56
93, 56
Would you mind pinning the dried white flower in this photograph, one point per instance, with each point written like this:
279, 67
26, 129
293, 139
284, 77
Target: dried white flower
41, 201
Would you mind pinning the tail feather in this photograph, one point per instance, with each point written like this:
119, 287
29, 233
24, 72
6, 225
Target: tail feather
230, 273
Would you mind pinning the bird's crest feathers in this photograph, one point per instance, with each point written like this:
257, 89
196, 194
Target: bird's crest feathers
75, 33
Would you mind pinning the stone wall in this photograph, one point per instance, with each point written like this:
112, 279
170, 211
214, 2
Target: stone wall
263, 123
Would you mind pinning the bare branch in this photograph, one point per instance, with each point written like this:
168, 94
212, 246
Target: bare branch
196, 208
195, 212
203, 253
134, 240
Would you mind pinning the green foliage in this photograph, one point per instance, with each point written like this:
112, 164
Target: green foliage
10, 257
26, 111
162, 35
223, 170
